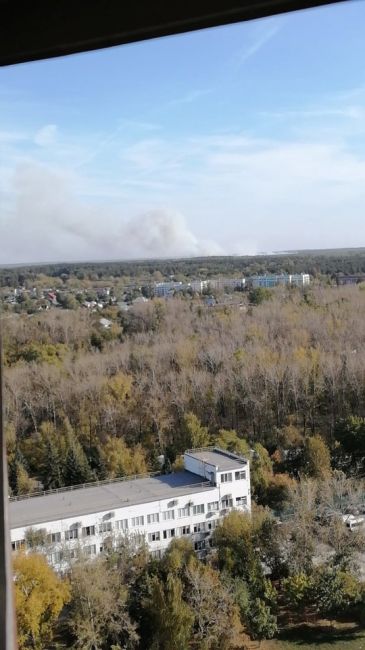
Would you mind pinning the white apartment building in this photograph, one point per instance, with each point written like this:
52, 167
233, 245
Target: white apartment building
156, 509
226, 283
163, 289
300, 279
198, 286
269, 281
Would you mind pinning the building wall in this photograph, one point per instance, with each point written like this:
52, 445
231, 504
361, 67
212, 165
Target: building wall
194, 516
226, 283
171, 515
269, 281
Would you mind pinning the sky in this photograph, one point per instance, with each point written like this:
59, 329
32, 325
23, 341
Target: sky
234, 140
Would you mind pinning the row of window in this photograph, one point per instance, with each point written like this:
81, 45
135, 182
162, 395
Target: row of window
122, 524
239, 476
200, 545
58, 556
204, 526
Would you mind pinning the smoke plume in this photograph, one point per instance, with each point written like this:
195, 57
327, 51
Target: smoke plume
46, 220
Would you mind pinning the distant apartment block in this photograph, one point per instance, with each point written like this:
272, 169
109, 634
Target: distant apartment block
163, 289
198, 286
226, 283
270, 281
349, 279
153, 509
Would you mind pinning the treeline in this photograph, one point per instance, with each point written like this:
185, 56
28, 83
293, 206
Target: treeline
276, 373
314, 262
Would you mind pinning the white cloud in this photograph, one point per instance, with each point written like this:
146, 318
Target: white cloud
46, 136
189, 97
265, 31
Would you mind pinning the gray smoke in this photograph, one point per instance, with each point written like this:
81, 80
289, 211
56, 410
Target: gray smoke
46, 220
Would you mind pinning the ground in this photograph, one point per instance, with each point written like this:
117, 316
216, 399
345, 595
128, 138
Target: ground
325, 635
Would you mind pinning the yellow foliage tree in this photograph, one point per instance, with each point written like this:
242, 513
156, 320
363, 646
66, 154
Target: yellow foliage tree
121, 460
39, 597
228, 439
317, 458
194, 433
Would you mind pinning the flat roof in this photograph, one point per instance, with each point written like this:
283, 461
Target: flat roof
83, 501
224, 460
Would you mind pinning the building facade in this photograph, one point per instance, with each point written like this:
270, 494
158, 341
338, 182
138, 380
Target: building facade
163, 289
270, 281
221, 284
153, 509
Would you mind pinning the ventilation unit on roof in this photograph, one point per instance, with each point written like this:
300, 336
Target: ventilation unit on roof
108, 515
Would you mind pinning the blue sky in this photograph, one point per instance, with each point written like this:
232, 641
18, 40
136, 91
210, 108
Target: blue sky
239, 139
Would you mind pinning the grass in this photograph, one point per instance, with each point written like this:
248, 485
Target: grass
323, 636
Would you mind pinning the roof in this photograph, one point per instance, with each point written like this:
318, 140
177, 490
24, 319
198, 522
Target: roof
101, 498
224, 460
88, 24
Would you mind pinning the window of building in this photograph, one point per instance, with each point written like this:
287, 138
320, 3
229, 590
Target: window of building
226, 478
56, 557
199, 527
138, 538
154, 537
198, 510
168, 514
90, 550
184, 512
227, 502
87, 531
200, 545
211, 525
167, 534
105, 527
184, 530
121, 524
53, 538
213, 506
71, 534
239, 476
156, 555
241, 501
153, 519
19, 543
138, 521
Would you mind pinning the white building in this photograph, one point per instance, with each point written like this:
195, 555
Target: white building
156, 509
269, 281
226, 283
163, 289
198, 286
300, 279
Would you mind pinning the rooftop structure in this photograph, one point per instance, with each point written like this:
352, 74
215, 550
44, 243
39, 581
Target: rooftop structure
221, 460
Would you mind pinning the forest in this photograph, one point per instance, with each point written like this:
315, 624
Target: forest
317, 263
273, 372
278, 376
